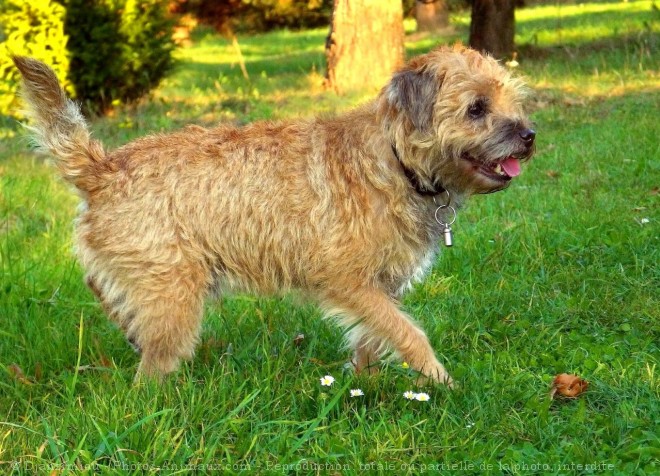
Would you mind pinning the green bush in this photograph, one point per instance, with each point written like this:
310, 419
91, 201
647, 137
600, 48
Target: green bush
147, 47
120, 49
95, 46
117, 50
32, 28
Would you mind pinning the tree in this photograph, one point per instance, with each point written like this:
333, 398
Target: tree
365, 44
431, 15
493, 27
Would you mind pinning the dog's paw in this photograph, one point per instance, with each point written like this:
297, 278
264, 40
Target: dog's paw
353, 367
436, 378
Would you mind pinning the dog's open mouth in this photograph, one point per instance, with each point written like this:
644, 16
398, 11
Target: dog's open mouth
501, 170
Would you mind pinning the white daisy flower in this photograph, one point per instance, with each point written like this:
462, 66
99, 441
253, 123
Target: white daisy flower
422, 397
356, 392
409, 395
327, 381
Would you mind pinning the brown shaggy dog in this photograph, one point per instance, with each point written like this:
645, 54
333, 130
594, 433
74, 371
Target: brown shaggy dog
343, 209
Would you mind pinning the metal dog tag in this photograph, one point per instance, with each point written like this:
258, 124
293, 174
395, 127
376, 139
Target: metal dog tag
448, 236
446, 223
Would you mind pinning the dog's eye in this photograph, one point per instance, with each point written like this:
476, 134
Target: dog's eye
477, 110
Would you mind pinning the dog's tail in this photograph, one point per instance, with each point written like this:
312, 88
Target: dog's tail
59, 128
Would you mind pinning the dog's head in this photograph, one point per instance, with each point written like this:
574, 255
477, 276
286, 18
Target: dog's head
456, 117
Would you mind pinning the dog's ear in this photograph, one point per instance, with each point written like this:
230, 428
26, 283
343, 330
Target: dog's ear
413, 92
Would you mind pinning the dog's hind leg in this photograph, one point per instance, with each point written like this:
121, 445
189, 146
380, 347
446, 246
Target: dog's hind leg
159, 310
166, 328
113, 302
380, 318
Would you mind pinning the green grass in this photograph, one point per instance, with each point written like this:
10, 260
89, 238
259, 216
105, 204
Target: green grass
557, 274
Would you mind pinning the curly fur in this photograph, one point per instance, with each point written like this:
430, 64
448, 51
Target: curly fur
319, 205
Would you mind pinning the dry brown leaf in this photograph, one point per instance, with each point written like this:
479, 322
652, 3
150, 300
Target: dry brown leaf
568, 385
17, 372
298, 340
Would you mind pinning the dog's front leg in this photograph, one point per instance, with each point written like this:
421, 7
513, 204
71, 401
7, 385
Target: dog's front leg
378, 318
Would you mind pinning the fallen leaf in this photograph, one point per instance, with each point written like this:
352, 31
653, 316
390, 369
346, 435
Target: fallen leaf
298, 340
568, 385
17, 372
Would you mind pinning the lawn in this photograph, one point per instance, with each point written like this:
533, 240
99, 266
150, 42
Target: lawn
557, 274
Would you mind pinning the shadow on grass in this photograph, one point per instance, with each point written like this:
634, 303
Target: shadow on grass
265, 44
601, 21
615, 46
205, 73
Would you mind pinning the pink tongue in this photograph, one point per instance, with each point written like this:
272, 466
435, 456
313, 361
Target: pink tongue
511, 166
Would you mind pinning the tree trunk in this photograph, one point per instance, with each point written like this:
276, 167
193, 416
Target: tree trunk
493, 26
365, 44
431, 15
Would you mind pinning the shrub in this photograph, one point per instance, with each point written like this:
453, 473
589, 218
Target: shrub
148, 46
117, 50
120, 49
95, 46
32, 28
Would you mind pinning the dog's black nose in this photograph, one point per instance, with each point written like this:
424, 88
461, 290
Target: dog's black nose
527, 136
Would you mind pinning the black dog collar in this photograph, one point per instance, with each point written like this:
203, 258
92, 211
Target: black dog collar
414, 180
